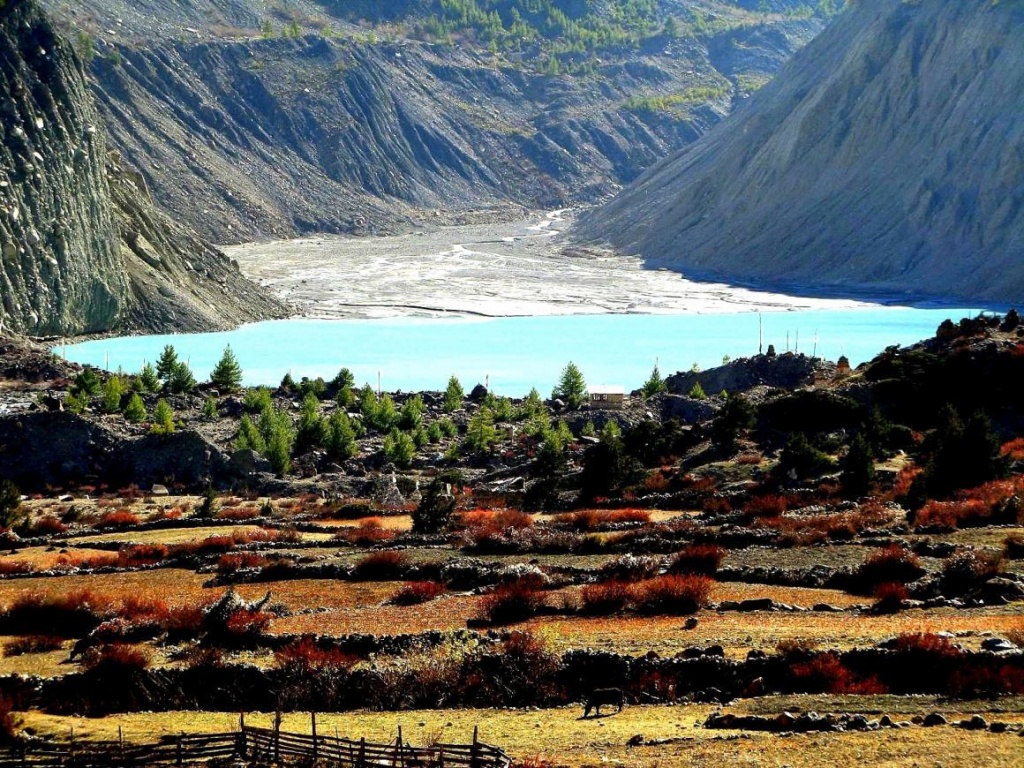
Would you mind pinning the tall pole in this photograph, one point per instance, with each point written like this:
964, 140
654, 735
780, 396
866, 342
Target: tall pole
760, 334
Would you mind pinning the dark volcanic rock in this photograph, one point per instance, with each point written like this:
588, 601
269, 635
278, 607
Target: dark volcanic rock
887, 155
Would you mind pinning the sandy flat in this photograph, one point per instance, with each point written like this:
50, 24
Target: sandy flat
494, 270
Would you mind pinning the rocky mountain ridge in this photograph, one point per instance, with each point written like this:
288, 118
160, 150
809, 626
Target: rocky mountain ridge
339, 128
84, 248
887, 155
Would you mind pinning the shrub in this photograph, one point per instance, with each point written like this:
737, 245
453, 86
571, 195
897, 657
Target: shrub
14, 567
33, 644
979, 680
163, 418
605, 598
453, 395
768, 505
1014, 546
142, 554
244, 625
571, 387
117, 519
369, 531
701, 559
825, 673
135, 410
386, 565
891, 564
889, 596
49, 525
672, 594
399, 448
969, 568
233, 562
416, 592
116, 657
10, 722
511, 603
10, 504
305, 657
237, 513
630, 568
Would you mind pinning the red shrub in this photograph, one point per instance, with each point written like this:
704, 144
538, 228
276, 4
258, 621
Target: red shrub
703, 559
952, 514
672, 594
416, 592
12, 567
71, 614
927, 643
889, 596
117, 519
891, 564
825, 673
981, 680
656, 482
716, 505
768, 505
48, 526
304, 656
385, 565
116, 657
142, 554
249, 623
604, 598
510, 603
134, 607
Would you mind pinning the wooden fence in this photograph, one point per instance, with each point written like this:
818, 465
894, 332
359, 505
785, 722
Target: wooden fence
262, 745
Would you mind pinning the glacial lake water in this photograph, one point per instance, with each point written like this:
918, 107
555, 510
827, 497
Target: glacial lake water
516, 353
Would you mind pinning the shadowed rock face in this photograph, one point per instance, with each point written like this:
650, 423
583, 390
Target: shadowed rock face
83, 248
888, 154
61, 270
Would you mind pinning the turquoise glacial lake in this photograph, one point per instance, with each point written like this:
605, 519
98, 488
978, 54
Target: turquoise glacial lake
514, 354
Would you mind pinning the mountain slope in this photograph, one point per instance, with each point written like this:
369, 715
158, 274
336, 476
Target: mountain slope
83, 247
351, 118
888, 154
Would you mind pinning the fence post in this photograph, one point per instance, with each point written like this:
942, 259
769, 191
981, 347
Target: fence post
277, 737
312, 719
474, 759
179, 760
362, 751
24, 755
120, 744
398, 759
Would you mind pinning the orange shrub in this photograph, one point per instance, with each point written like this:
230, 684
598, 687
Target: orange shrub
249, 623
13, 567
1014, 449
672, 594
416, 592
232, 562
369, 531
656, 482
238, 513
117, 519
889, 596
891, 564
142, 554
605, 597
629, 516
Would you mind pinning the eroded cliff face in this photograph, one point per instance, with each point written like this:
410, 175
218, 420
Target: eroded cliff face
83, 247
888, 154
62, 269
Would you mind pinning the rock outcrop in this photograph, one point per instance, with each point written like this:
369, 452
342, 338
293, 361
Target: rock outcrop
888, 154
83, 247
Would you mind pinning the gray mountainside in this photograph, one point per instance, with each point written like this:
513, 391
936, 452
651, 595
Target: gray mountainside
359, 130
887, 154
84, 248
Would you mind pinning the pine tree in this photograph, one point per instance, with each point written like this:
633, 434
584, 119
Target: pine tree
571, 387
227, 374
481, 434
858, 468
340, 440
311, 430
112, 393
181, 379
210, 408
135, 410
399, 448
165, 365
147, 380
453, 395
654, 385
163, 418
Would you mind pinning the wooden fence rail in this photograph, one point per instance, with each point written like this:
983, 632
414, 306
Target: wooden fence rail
263, 745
